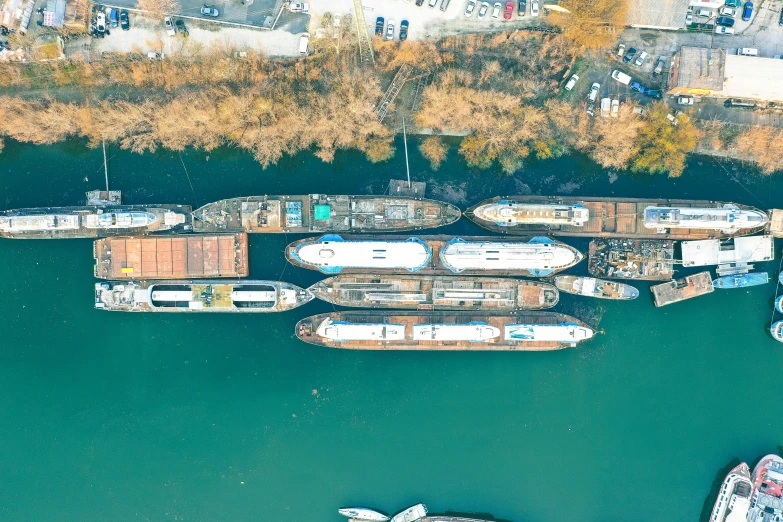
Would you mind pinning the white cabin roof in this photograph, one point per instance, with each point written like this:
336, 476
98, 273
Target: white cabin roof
172, 295
253, 296
410, 255
509, 213
345, 331
39, 222
566, 332
469, 255
119, 220
728, 218
713, 252
478, 332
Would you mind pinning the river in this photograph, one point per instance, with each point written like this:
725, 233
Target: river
148, 417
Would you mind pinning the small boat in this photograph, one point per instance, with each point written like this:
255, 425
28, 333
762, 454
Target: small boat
777, 331
741, 281
733, 500
779, 304
361, 513
592, 287
780, 278
412, 514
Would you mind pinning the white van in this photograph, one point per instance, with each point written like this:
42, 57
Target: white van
304, 41
704, 12
747, 51
621, 77
571, 82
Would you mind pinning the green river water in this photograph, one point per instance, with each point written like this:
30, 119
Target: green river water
163, 417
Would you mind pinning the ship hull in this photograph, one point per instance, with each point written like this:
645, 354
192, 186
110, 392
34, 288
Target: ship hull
434, 261
591, 287
204, 296
741, 281
405, 323
322, 213
167, 219
428, 293
610, 217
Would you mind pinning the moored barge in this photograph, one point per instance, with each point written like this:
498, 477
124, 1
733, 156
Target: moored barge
592, 287
683, 288
643, 259
199, 296
433, 255
177, 257
323, 213
370, 330
617, 217
417, 292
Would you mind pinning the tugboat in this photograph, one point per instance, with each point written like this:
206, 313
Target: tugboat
362, 513
767, 478
592, 287
741, 281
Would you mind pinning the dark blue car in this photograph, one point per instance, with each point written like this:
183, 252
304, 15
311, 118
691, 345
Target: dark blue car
747, 11
638, 87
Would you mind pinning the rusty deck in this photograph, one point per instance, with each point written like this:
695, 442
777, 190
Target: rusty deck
183, 257
683, 288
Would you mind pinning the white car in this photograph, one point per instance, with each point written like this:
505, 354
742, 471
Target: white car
685, 100
171, 30
594, 92
496, 9
621, 51
689, 19
615, 108
390, 29
483, 10
606, 103
534, 8
571, 82
100, 22
299, 7
728, 11
640, 59
470, 8
724, 30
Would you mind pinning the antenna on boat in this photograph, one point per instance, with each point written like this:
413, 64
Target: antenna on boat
105, 165
405, 141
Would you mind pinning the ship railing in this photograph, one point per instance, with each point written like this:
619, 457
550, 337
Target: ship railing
397, 297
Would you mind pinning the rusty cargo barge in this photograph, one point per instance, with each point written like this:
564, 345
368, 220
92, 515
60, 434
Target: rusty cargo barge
323, 213
617, 217
451, 331
176, 257
433, 255
416, 292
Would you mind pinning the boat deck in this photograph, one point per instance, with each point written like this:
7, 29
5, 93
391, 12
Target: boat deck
681, 289
195, 256
647, 259
609, 217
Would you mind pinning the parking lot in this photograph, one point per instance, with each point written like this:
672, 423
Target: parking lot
257, 13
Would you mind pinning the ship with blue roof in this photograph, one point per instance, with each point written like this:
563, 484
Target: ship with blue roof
741, 280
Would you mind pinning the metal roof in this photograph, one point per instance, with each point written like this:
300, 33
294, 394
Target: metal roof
701, 68
753, 77
715, 252
662, 14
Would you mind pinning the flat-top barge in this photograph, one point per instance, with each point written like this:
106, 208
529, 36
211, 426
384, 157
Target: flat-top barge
417, 292
199, 296
366, 330
433, 255
178, 257
323, 213
103, 218
683, 288
643, 259
617, 217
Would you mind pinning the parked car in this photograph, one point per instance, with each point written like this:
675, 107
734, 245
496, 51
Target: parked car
299, 7
621, 77
496, 9
615, 108
509, 12
593, 94
725, 21
522, 8
470, 8
780, 22
654, 93
706, 13
419, 3
483, 10
659, 65
432, 3
606, 105
724, 30
100, 22
638, 87
379, 25
640, 59
734, 3
591, 108
304, 42
689, 17
170, 29
621, 50
727, 11
114, 17
685, 100
534, 8
639, 111
444, 4
210, 11
571, 82
124, 21
671, 118
390, 30
404, 30
747, 11
629, 55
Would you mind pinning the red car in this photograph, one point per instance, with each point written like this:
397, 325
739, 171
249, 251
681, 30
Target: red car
509, 10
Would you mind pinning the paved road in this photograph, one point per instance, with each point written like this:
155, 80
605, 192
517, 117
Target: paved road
257, 13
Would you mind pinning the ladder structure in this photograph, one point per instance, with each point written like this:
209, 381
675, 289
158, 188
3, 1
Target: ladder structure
365, 43
420, 84
394, 89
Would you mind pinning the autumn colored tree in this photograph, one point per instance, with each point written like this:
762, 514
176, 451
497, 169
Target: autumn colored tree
662, 145
763, 146
435, 150
590, 24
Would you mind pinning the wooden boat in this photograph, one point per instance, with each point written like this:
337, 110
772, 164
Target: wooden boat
436, 292
592, 287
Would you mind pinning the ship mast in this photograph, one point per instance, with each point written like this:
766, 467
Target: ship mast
405, 142
105, 166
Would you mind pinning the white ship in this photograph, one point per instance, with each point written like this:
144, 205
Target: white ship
39, 222
331, 254
509, 213
733, 500
539, 257
412, 514
109, 220
728, 219
361, 513
766, 504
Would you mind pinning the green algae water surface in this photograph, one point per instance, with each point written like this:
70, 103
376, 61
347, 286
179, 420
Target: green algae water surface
164, 417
